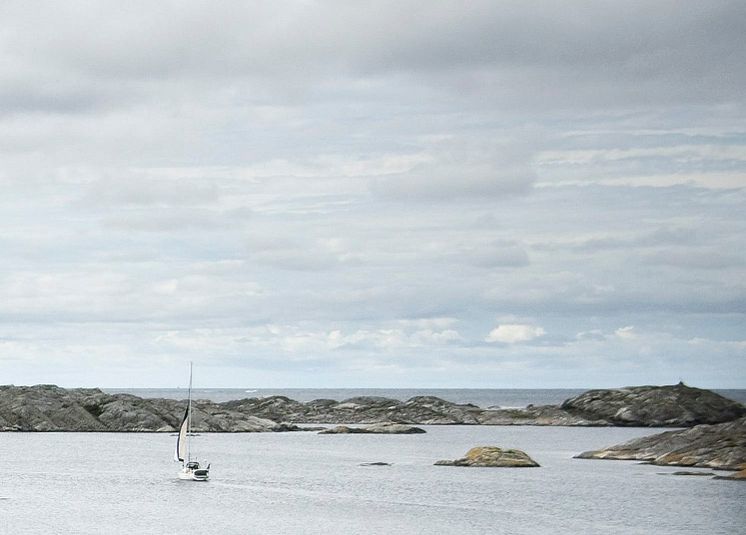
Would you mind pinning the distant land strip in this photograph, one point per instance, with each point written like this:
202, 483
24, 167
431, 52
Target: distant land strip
52, 408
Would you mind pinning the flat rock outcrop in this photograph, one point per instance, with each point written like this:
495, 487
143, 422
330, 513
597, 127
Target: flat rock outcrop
719, 446
385, 428
492, 456
655, 406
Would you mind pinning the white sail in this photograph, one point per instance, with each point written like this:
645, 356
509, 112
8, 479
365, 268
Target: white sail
181, 452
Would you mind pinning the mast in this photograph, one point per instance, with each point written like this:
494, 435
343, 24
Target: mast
189, 417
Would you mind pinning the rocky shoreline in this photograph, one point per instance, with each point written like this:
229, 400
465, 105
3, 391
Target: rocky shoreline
51, 408
719, 446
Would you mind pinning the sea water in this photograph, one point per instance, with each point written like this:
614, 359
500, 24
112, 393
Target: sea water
306, 483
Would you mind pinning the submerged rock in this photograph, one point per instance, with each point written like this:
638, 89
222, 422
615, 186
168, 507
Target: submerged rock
687, 473
492, 456
720, 446
738, 476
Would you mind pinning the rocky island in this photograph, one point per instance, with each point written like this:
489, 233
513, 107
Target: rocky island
655, 406
492, 457
51, 408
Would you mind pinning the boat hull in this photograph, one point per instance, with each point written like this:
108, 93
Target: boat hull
199, 474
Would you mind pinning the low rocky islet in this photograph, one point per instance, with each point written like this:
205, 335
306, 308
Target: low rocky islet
492, 457
384, 428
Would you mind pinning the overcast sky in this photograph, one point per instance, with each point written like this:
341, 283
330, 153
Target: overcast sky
373, 194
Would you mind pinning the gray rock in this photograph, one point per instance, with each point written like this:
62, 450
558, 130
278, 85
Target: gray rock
342, 430
537, 415
659, 406
47, 408
676, 405
386, 428
50, 408
492, 456
720, 446
277, 408
389, 428
361, 410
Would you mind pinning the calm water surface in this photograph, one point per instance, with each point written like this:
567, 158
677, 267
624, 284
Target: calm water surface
305, 483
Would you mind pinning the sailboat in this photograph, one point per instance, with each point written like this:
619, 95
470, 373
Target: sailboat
190, 469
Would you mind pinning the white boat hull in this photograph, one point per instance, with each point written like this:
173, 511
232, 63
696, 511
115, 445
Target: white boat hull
199, 474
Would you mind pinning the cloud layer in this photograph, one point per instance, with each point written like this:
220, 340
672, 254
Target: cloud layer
373, 194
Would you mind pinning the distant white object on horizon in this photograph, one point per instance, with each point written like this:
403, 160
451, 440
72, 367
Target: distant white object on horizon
190, 470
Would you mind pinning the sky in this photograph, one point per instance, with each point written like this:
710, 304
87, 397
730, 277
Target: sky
373, 194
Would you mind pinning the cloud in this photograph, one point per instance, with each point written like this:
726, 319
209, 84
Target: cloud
700, 258
463, 170
595, 242
456, 180
509, 53
358, 191
626, 333
515, 333
595, 335
130, 190
498, 255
